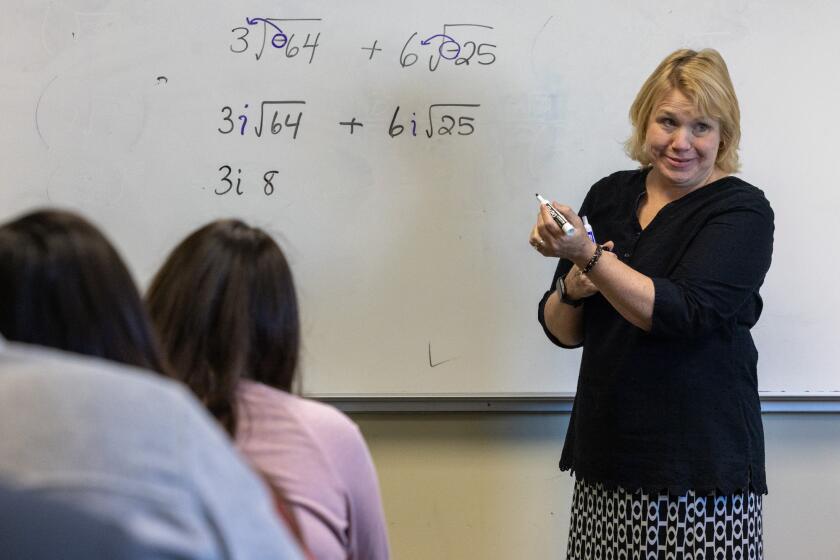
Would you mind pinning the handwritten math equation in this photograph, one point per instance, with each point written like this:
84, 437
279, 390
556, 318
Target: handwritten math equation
284, 117
278, 40
458, 44
275, 118
230, 181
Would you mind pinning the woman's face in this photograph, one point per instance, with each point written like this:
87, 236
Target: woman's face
682, 143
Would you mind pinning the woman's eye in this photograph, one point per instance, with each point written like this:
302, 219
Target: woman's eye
702, 127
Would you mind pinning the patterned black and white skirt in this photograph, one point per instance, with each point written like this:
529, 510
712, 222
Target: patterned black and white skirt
613, 524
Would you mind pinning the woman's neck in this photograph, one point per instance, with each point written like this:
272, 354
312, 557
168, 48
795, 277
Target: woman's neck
659, 188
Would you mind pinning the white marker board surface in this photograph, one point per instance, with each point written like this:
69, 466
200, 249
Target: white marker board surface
393, 148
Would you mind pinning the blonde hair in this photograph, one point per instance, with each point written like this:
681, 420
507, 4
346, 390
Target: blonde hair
704, 79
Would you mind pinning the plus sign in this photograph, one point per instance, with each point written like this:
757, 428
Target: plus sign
352, 124
373, 49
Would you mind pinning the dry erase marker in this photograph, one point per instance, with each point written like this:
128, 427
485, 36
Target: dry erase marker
558, 217
588, 229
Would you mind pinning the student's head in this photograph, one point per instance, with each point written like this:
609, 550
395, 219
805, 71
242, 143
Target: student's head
63, 285
703, 78
225, 309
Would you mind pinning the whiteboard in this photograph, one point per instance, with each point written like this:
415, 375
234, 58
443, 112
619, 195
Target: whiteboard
407, 231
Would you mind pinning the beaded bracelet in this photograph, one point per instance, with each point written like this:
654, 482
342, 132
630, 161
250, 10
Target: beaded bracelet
598, 252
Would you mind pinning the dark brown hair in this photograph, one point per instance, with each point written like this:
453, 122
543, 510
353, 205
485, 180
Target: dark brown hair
64, 285
225, 308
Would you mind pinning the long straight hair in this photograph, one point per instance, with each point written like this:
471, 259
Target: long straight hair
64, 285
225, 308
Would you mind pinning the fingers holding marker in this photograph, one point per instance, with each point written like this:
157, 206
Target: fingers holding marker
545, 234
559, 231
557, 216
548, 229
547, 225
535, 240
571, 216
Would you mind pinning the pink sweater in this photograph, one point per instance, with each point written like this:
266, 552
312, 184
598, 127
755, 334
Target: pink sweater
320, 462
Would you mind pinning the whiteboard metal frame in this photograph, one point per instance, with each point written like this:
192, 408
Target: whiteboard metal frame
533, 403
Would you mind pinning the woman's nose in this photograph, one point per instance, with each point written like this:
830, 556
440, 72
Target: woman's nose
681, 139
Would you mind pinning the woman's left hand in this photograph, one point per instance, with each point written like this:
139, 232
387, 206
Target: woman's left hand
578, 284
551, 241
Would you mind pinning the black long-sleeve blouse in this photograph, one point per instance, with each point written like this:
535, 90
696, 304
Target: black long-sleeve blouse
676, 408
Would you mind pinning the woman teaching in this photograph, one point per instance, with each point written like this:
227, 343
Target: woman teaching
665, 437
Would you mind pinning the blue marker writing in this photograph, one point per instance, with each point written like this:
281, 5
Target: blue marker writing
588, 229
447, 39
279, 36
